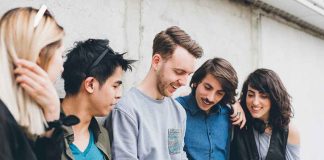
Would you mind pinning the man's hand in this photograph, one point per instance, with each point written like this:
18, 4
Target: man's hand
238, 116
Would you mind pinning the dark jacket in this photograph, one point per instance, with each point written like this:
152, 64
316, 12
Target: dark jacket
14, 144
101, 140
243, 146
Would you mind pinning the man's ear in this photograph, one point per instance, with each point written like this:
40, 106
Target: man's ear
89, 84
156, 61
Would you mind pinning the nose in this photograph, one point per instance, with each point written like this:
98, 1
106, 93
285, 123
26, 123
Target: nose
118, 93
255, 100
211, 97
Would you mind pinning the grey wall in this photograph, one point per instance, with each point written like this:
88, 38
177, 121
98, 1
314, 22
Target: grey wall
224, 28
298, 58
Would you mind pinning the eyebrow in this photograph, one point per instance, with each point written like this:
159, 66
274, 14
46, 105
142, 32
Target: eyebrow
251, 91
119, 82
260, 92
209, 85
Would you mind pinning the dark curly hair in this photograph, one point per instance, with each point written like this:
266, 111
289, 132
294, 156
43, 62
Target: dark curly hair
267, 81
221, 70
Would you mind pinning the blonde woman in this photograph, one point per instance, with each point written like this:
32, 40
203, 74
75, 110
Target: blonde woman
30, 61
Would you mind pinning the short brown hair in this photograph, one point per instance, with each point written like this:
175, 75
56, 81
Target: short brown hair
166, 41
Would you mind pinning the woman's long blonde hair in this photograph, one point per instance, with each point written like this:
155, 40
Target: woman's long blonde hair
19, 39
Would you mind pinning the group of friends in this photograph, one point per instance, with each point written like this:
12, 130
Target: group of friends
146, 123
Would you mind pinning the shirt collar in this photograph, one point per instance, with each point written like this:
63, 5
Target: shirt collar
94, 126
191, 104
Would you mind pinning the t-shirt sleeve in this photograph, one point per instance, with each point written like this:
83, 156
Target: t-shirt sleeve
124, 135
183, 153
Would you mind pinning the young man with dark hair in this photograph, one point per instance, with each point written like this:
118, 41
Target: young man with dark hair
92, 82
147, 124
208, 131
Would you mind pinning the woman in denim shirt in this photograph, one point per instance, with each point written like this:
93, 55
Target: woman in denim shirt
208, 133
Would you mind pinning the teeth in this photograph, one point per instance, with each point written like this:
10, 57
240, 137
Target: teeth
174, 86
206, 102
256, 108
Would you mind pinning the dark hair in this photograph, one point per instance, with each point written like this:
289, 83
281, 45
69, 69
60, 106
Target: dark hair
166, 41
80, 60
223, 71
267, 81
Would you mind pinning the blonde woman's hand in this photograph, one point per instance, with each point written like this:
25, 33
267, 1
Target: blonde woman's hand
37, 84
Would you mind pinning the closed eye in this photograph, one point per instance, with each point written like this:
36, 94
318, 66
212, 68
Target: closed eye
264, 96
180, 72
208, 87
220, 93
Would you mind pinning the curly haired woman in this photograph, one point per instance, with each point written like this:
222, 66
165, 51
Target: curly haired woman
268, 134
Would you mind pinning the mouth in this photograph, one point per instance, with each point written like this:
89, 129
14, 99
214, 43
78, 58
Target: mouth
255, 109
173, 86
205, 101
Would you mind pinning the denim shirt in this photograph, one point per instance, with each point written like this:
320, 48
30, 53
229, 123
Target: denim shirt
208, 135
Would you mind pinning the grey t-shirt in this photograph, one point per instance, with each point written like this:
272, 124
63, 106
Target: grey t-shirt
147, 129
263, 142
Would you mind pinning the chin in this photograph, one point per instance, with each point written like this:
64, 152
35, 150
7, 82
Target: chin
104, 113
206, 109
167, 94
255, 116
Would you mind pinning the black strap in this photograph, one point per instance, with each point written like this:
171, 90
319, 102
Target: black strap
67, 121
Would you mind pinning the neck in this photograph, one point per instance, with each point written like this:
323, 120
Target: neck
268, 128
78, 106
149, 86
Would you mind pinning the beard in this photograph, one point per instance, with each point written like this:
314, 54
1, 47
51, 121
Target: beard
162, 86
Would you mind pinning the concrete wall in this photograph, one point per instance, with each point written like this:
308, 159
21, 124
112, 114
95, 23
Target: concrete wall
224, 28
298, 58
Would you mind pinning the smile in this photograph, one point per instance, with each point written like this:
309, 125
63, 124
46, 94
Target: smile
256, 109
205, 101
174, 86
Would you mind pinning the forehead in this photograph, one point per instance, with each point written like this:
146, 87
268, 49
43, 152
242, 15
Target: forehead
182, 59
211, 80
